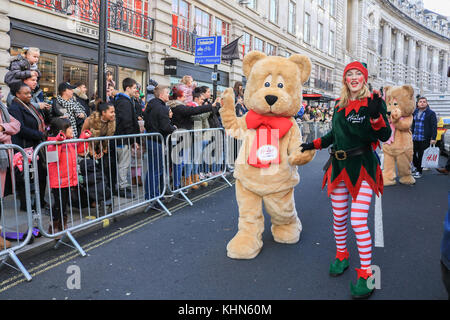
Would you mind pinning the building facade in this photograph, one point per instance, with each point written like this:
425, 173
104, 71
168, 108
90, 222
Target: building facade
400, 41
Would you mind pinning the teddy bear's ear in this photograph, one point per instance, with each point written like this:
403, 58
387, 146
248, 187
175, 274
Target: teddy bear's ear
410, 90
386, 90
304, 64
250, 59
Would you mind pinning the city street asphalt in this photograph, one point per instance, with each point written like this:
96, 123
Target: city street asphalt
183, 256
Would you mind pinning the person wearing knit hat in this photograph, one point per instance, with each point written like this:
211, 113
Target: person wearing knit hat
358, 122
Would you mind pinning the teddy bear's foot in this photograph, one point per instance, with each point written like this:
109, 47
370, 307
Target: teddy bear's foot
244, 246
287, 233
407, 180
387, 182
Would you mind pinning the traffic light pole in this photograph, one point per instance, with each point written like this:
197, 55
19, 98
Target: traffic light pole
102, 49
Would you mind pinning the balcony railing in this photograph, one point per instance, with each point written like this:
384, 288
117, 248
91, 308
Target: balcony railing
119, 18
183, 39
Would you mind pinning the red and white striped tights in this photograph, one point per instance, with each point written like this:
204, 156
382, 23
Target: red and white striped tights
359, 212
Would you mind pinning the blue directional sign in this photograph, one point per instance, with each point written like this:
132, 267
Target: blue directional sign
208, 50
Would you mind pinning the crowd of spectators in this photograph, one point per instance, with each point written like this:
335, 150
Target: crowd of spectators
27, 119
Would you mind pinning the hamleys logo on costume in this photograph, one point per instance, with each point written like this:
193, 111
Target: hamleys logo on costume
267, 152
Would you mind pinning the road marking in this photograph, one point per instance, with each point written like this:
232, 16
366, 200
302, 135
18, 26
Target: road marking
379, 237
48, 265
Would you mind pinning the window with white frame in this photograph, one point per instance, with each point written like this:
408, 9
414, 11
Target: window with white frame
292, 17
258, 44
306, 28
252, 4
320, 36
321, 3
333, 8
223, 29
247, 41
273, 11
331, 43
271, 50
180, 10
202, 23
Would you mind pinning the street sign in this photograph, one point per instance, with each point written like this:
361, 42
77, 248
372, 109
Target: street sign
208, 50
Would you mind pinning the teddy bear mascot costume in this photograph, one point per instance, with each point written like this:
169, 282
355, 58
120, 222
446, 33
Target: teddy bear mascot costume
353, 169
266, 165
399, 148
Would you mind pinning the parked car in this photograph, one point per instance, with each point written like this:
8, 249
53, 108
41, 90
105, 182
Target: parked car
443, 134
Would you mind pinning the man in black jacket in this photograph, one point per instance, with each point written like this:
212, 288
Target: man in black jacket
157, 120
126, 124
424, 131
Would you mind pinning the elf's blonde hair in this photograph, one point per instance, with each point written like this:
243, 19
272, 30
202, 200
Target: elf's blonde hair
345, 94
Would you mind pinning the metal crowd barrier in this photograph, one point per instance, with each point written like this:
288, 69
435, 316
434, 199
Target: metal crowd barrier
16, 221
100, 184
194, 158
312, 130
232, 147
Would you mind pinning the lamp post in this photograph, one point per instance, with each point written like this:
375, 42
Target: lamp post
102, 49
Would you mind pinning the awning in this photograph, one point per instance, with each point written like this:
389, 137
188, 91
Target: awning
312, 96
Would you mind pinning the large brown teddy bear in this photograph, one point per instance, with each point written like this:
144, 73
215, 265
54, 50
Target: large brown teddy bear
266, 167
399, 148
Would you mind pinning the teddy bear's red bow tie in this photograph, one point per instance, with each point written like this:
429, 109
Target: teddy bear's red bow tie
269, 130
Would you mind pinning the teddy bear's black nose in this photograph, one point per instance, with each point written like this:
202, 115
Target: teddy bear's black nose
271, 99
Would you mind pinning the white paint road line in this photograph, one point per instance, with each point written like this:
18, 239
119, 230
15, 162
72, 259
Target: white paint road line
379, 237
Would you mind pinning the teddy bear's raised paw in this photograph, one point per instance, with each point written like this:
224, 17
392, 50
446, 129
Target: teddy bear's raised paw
228, 98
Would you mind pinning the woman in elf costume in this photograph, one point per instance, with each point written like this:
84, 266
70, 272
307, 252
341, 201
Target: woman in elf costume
359, 121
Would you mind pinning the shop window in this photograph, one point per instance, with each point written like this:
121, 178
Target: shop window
138, 75
47, 66
111, 69
75, 72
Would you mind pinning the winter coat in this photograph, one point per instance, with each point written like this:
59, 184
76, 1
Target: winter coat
62, 161
11, 128
19, 70
187, 90
126, 119
182, 114
430, 124
214, 118
156, 117
29, 134
99, 128
83, 100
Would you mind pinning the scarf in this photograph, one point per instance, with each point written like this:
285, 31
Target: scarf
265, 147
4, 159
73, 110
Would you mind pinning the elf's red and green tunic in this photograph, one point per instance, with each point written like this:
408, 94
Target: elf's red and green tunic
353, 128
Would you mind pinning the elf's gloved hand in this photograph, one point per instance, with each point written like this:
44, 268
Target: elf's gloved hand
375, 106
307, 146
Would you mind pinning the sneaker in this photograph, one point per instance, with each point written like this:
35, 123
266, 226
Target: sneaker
417, 175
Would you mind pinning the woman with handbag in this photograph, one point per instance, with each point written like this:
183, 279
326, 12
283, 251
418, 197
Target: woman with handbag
359, 121
32, 132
